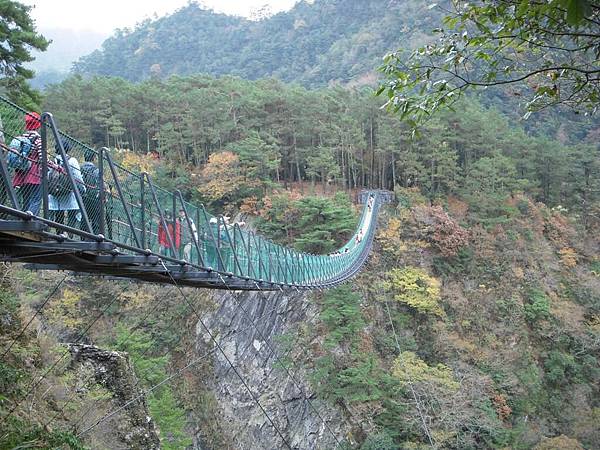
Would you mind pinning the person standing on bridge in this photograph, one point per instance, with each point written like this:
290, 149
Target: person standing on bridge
62, 200
164, 244
186, 250
91, 199
29, 183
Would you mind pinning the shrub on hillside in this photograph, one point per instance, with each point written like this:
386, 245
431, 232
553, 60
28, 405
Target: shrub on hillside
441, 230
415, 288
538, 307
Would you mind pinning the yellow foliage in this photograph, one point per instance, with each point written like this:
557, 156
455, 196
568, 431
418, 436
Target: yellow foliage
391, 242
136, 299
139, 163
221, 176
250, 206
409, 368
415, 288
568, 257
65, 311
561, 442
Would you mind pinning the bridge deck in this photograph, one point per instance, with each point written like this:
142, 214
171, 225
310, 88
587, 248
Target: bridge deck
123, 225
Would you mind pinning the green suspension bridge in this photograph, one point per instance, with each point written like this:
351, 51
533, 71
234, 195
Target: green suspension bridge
121, 224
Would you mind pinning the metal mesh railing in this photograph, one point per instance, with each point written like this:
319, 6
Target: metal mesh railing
84, 193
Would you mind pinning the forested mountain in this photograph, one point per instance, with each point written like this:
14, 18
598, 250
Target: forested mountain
475, 324
314, 43
261, 132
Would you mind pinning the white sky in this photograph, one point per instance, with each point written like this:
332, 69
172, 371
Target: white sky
104, 16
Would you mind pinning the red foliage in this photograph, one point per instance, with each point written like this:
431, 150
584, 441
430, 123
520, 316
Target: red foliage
502, 408
443, 231
448, 236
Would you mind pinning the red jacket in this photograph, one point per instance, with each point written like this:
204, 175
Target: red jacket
163, 239
32, 176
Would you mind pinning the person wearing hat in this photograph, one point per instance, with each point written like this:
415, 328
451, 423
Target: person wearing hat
66, 203
29, 183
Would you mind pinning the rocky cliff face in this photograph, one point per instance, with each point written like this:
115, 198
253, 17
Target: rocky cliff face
132, 426
258, 333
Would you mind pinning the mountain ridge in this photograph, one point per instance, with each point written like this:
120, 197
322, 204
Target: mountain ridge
314, 44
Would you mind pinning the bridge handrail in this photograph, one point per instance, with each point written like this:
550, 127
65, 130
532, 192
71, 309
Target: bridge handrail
138, 216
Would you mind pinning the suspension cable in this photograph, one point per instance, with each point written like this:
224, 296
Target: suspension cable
410, 384
277, 358
46, 300
177, 373
35, 384
132, 331
220, 348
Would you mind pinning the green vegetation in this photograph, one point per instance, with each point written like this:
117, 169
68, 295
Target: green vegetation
310, 224
483, 45
415, 288
313, 43
18, 37
475, 324
476, 154
18, 428
164, 407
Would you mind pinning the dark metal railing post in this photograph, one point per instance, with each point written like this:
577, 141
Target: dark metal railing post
235, 248
102, 193
270, 274
221, 262
249, 256
175, 221
212, 237
45, 204
190, 228
142, 212
160, 211
5, 174
67, 166
286, 265
234, 252
259, 246
200, 238
123, 201
247, 248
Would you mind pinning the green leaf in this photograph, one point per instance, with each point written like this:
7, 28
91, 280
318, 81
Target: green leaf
522, 8
577, 10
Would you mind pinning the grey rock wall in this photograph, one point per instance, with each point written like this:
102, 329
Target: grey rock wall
254, 352
132, 427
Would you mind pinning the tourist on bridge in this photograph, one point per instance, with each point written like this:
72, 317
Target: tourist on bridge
91, 198
164, 243
61, 198
29, 182
186, 252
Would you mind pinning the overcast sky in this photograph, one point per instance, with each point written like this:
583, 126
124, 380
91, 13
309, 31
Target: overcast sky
104, 16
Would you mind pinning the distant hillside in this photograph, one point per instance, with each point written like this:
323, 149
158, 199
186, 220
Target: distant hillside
53, 65
314, 44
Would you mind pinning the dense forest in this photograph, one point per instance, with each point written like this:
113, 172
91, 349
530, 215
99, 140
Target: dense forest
313, 44
212, 129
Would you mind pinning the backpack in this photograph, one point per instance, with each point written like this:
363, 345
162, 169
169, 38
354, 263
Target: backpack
18, 158
59, 184
90, 176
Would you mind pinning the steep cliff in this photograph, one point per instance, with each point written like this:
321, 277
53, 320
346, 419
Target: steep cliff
260, 333
132, 426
